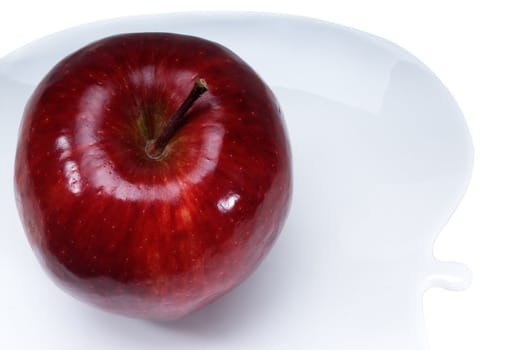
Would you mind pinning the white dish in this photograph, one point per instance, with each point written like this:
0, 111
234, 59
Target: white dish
382, 157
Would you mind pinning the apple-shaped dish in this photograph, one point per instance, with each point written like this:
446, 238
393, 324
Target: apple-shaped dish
381, 158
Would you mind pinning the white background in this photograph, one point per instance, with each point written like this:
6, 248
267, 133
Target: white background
476, 48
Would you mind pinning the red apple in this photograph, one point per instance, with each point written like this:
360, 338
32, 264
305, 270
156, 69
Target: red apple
133, 199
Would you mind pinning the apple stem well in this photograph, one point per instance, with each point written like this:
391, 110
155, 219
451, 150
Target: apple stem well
155, 148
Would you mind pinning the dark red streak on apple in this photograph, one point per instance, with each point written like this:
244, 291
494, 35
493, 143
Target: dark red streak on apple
153, 238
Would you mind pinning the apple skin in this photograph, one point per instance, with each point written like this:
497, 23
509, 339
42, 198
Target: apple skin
143, 237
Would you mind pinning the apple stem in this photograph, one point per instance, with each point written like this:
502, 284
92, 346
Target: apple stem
155, 148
